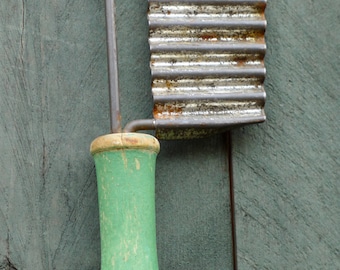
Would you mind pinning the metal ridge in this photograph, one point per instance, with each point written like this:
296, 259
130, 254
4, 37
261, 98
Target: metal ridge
208, 47
214, 22
170, 73
208, 97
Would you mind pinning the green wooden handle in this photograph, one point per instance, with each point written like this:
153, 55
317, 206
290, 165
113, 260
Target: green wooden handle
125, 167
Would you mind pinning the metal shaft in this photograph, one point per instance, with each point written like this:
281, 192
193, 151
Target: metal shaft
115, 117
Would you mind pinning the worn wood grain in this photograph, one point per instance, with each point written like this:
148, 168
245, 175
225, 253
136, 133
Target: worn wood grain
193, 217
287, 170
52, 54
53, 103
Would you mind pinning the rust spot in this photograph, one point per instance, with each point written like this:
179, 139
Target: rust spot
240, 63
165, 110
168, 84
241, 60
232, 34
209, 36
260, 7
246, 34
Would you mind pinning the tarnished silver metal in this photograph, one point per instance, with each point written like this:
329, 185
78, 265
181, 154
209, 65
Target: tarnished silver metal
207, 65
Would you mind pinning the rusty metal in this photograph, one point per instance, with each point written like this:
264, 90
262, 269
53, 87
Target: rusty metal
207, 65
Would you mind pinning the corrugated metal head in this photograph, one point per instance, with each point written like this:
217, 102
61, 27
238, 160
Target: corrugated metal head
207, 65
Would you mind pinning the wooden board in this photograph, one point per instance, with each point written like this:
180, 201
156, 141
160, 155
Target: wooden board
52, 56
287, 170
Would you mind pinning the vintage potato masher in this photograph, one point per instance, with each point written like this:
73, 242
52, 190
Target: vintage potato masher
207, 73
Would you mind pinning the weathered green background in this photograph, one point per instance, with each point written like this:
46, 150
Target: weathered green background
287, 171
53, 103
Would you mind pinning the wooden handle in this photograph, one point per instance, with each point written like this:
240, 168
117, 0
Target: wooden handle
125, 166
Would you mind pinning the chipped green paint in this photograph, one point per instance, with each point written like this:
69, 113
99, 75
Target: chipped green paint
125, 166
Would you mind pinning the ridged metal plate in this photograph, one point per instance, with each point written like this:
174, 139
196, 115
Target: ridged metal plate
207, 65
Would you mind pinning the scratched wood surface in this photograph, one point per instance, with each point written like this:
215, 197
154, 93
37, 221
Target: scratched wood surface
287, 170
53, 103
51, 57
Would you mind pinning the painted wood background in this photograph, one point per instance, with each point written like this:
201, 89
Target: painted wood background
53, 103
287, 171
